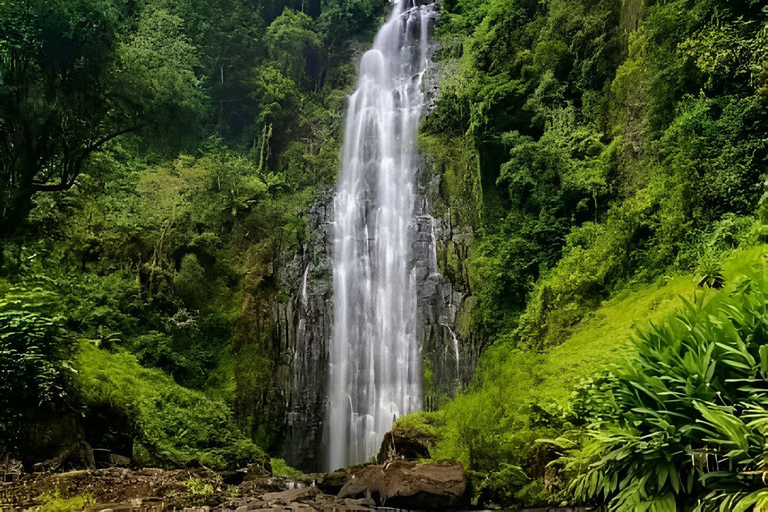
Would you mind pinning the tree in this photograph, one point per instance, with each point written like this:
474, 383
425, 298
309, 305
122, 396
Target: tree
294, 47
69, 84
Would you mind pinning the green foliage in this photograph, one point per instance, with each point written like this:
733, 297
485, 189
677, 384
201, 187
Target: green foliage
170, 73
74, 62
54, 502
162, 263
523, 396
709, 272
277, 96
593, 155
294, 47
199, 489
34, 360
683, 415
606, 134
158, 73
172, 426
418, 424
508, 485
282, 469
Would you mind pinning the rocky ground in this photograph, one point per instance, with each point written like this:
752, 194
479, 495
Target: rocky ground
397, 480
396, 483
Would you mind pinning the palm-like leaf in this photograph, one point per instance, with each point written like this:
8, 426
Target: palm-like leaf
690, 416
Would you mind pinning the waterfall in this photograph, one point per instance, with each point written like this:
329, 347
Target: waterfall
375, 363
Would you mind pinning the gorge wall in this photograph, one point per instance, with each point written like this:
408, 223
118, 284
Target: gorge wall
304, 313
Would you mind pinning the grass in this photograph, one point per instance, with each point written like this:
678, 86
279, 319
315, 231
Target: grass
499, 417
600, 338
173, 426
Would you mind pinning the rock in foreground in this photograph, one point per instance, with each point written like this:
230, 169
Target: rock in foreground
410, 485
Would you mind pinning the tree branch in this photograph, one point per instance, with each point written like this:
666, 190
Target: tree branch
67, 182
96, 145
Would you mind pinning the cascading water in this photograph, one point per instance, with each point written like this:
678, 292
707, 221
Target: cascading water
375, 365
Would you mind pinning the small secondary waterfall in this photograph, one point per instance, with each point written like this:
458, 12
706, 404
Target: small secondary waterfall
375, 363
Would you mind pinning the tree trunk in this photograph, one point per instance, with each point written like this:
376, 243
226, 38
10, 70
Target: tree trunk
14, 212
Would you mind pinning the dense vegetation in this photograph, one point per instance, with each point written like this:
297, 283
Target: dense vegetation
157, 158
155, 161
599, 150
610, 138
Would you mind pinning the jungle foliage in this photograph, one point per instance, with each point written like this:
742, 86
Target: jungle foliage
156, 159
681, 422
608, 155
609, 138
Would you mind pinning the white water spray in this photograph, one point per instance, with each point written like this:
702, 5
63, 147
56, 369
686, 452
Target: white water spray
375, 364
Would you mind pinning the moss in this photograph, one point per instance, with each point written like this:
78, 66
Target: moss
282, 469
172, 426
455, 160
419, 424
54, 502
464, 317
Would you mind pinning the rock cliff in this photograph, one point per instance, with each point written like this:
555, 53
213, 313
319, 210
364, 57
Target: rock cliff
304, 315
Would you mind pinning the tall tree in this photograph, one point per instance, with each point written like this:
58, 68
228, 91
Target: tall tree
70, 83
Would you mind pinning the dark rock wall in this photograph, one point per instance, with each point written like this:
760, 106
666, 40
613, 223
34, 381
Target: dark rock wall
444, 299
305, 318
445, 232
304, 314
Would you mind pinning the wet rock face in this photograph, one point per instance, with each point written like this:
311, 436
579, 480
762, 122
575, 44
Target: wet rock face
438, 304
444, 233
305, 322
305, 326
449, 351
410, 485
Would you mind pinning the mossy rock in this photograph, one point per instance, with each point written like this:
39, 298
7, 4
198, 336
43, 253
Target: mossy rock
411, 438
331, 483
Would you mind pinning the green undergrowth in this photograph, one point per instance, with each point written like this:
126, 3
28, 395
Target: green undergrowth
54, 502
172, 425
600, 338
520, 396
282, 469
679, 424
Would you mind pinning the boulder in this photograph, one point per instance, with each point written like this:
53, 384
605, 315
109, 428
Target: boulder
410, 485
52, 441
406, 443
291, 495
332, 483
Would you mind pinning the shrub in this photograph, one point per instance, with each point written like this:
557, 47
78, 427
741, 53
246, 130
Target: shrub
172, 425
33, 360
683, 419
282, 469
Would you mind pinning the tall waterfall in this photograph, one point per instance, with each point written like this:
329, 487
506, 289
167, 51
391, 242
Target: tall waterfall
375, 364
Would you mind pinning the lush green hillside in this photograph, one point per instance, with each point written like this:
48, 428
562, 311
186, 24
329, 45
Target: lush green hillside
520, 397
610, 157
